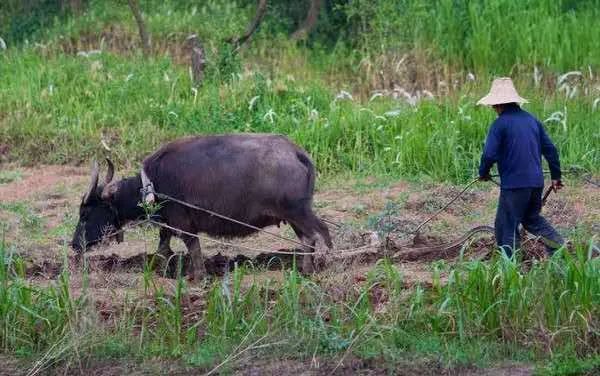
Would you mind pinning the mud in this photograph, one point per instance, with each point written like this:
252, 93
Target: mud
44, 179
251, 366
51, 195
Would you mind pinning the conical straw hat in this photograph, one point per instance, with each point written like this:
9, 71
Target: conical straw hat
502, 91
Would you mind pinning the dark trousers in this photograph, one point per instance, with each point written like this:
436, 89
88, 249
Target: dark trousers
523, 206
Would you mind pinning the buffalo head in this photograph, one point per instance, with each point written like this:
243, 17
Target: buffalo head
98, 218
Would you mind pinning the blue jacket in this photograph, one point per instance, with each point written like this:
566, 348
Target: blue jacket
517, 141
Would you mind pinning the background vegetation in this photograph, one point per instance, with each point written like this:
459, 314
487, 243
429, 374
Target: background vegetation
377, 87
384, 87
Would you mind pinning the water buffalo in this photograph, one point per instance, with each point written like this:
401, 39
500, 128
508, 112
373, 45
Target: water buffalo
259, 179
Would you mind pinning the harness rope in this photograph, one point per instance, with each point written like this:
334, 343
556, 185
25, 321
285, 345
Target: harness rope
149, 195
200, 237
348, 251
416, 230
550, 189
212, 213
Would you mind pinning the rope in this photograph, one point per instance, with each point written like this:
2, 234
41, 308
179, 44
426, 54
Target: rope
590, 181
126, 228
334, 223
349, 251
170, 198
346, 252
572, 170
334, 254
227, 243
416, 231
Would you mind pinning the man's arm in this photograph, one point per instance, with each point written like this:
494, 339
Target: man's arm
490, 150
550, 153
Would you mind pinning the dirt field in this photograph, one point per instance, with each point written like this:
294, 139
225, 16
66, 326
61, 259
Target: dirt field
312, 367
39, 208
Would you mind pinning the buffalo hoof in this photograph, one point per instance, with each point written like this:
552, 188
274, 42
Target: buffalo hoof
319, 262
198, 274
308, 266
199, 278
171, 270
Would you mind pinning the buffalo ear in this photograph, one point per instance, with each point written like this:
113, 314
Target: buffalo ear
110, 191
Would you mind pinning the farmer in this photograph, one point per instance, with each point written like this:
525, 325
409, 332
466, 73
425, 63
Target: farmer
517, 141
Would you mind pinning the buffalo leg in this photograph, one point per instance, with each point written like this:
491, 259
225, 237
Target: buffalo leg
164, 244
319, 227
308, 266
193, 245
307, 223
166, 260
159, 261
165, 255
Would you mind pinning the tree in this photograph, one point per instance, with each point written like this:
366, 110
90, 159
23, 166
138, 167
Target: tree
144, 36
198, 59
76, 7
309, 22
261, 10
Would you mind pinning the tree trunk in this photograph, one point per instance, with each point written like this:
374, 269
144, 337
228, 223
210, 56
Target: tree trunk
310, 21
135, 9
76, 7
198, 59
261, 9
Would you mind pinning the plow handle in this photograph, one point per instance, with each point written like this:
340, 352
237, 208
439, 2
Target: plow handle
546, 194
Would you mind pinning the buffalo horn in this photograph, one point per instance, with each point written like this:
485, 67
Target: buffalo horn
93, 184
110, 173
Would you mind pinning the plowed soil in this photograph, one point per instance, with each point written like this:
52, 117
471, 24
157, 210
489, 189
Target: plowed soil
39, 209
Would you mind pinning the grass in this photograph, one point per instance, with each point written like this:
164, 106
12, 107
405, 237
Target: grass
10, 176
547, 313
62, 109
27, 220
355, 95
546, 33
33, 320
559, 35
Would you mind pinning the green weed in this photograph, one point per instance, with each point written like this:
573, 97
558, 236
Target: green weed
547, 312
27, 218
10, 176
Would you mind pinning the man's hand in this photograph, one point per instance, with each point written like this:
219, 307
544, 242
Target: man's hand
485, 178
557, 184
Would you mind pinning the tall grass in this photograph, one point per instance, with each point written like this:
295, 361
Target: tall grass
554, 302
485, 35
60, 110
481, 35
49, 323
549, 311
59, 107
